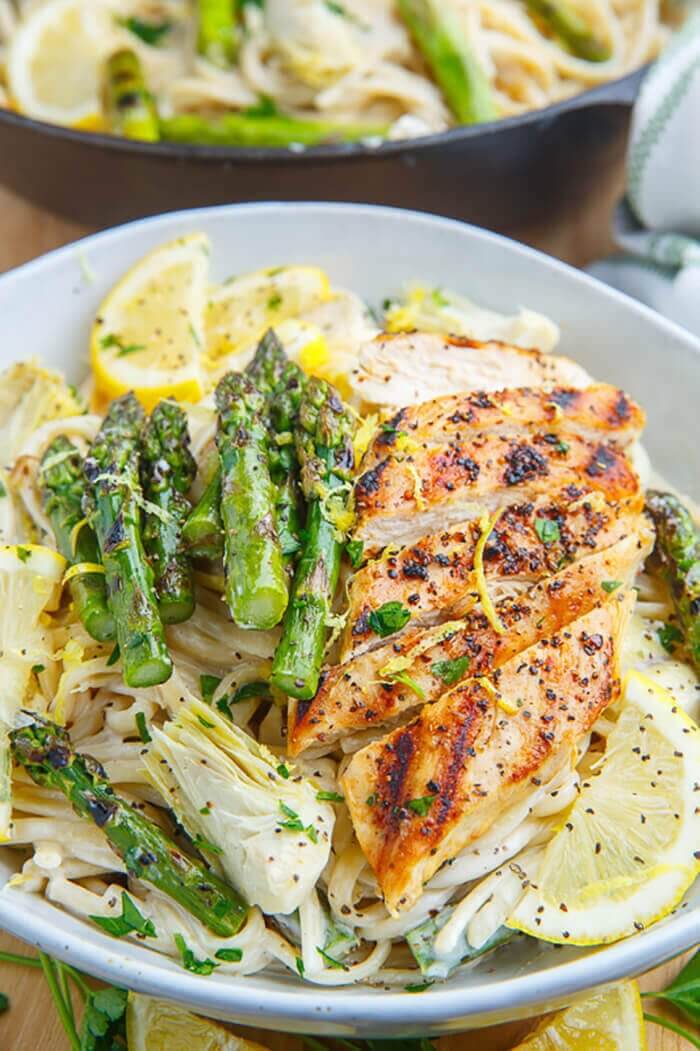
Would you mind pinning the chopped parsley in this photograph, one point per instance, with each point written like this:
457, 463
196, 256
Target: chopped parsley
420, 987
450, 671
390, 617
669, 637
355, 551
23, 554
274, 302
300, 966
113, 657
142, 728
150, 33
131, 920
329, 797
547, 531
250, 691
611, 585
190, 961
371, 800
206, 845
205, 723
562, 446
229, 955
422, 805
3, 490
439, 299
38, 668
337, 965
110, 340
283, 771
406, 680
293, 823
207, 686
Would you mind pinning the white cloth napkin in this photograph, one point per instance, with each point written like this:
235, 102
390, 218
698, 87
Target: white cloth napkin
658, 225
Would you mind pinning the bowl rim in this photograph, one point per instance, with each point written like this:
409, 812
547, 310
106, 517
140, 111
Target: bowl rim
620, 91
374, 1011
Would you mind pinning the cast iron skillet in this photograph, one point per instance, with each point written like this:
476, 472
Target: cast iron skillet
508, 175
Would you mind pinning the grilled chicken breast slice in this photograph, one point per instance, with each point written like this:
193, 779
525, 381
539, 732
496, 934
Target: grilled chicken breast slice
423, 793
435, 579
406, 368
381, 686
405, 497
594, 413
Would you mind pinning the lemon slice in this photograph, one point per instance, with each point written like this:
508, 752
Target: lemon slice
157, 1025
240, 310
612, 1020
30, 582
628, 849
55, 59
149, 331
302, 341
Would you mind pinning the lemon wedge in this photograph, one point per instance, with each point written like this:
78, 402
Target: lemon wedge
240, 310
149, 332
30, 582
302, 341
157, 1025
55, 59
628, 848
611, 1020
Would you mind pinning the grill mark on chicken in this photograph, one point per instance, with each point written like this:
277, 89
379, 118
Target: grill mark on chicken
599, 411
357, 695
507, 750
398, 500
439, 567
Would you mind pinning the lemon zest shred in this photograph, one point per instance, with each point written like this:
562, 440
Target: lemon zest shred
558, 411
80, 568
421, 503
364, 435
74, 534
431, 638
486, 526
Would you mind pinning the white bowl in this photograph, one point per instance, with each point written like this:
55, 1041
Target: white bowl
46, 309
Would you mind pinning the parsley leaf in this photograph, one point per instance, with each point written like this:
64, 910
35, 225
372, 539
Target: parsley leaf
37, 669
684, 990
669, 637
610, 585
251, 690
23, 554
113, 657
150, 32
422, 805
450, 671
300, 966
207, 686
110, 340
229, 955
103, 1027
355, 551
329, 797
190, 961
283, 771
390, 617
547, 531
142, 728
131, 920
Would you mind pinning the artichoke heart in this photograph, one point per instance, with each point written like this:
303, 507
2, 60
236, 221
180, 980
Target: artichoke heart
266, 833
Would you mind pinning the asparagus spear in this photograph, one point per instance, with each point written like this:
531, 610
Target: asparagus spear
45, 751
111, 503
324, 447
168, 470
256, 583
217, 36
131, 111
241, 129
678, 547
202, 533
443, 44
62, 488
573, 30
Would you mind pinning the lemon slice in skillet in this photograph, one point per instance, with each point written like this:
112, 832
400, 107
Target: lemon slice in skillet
628, 848
157, 1025
148, 334
54, 62
610, 1020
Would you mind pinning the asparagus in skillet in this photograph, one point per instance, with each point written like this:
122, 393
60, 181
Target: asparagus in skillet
168, 470
573, 30
62, 487
244, 129
323, 442
444, 46
112, 505
45, 751
131, 111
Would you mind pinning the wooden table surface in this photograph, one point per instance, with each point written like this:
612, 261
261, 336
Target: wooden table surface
31, 1023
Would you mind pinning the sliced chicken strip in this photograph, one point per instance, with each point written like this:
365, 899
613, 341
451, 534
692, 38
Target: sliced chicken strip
382, 686
422, 794
406, 368
404, 498
434, 578
600, 412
